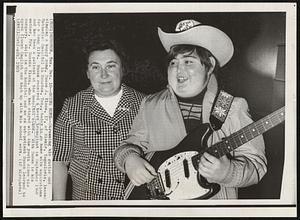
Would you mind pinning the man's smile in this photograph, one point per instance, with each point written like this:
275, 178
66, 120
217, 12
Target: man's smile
181, 79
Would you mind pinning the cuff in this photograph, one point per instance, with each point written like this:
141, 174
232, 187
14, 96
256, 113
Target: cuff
232, 178
122, 153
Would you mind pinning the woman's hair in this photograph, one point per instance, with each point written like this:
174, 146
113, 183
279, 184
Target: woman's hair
203, 54
105, 45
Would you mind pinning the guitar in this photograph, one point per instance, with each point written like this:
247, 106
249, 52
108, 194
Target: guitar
177, 175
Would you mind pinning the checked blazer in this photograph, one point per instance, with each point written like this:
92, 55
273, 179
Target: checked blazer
85, 137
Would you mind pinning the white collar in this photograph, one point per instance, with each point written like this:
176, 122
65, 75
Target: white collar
110, 103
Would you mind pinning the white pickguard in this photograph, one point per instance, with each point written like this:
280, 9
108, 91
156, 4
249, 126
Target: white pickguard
181, 187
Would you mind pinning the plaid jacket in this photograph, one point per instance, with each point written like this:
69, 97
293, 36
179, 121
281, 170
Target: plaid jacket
85, 136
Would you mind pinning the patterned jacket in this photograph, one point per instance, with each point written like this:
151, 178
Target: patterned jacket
85, 137
159, 126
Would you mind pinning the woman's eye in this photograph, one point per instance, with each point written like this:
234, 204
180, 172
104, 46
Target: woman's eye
95, 67
110, 66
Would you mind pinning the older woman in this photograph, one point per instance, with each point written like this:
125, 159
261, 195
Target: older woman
91, 125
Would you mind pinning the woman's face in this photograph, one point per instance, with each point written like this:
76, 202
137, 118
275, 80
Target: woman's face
105, 72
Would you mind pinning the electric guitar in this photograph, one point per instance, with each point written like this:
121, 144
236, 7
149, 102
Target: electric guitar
177, 176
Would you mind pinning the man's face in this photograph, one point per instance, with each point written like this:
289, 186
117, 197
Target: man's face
105, 72
187, 75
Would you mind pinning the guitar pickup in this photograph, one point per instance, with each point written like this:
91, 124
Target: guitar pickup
186, 168
168, 178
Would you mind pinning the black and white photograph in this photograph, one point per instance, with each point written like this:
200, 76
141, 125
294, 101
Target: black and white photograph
150, 107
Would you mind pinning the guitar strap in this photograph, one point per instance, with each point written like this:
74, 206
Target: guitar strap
220, 109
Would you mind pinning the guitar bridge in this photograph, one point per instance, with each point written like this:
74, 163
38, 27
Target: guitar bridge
156, 189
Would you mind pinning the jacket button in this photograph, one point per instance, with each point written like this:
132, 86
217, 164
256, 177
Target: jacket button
118, 181
99, 157
115, 129
98, 132
100, 180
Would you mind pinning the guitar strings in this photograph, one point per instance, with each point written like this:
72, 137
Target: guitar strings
259, 125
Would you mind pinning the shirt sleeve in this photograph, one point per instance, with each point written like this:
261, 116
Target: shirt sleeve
137, 141
63, 136
248, 162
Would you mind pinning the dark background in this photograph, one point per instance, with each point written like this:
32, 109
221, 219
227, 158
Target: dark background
256, 71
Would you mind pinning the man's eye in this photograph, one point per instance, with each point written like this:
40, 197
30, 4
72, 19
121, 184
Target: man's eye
172, 63
188, 62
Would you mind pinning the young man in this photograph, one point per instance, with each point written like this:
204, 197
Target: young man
195, 52
91, 125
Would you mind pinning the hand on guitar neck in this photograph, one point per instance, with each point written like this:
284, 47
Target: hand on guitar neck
138, 170
214, 169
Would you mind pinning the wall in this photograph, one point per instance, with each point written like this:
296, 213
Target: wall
263, 93
258, 56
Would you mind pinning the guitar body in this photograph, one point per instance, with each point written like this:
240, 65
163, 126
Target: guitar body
178, 177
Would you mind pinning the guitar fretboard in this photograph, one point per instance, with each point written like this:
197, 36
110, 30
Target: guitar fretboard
245, 134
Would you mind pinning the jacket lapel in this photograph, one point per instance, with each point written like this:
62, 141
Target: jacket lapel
212, 89
124, 105
94, 107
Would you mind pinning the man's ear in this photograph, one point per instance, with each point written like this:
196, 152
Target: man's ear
213, 65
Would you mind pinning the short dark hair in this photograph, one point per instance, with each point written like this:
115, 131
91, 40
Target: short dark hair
203, 54
105, 45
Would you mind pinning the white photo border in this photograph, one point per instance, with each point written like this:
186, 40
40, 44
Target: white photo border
285, 207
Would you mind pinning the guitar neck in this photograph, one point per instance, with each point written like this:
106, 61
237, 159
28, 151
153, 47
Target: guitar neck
246, 134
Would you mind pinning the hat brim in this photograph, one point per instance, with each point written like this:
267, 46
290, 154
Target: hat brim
208, 37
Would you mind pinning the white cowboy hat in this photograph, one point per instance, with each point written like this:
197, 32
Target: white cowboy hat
194, 33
